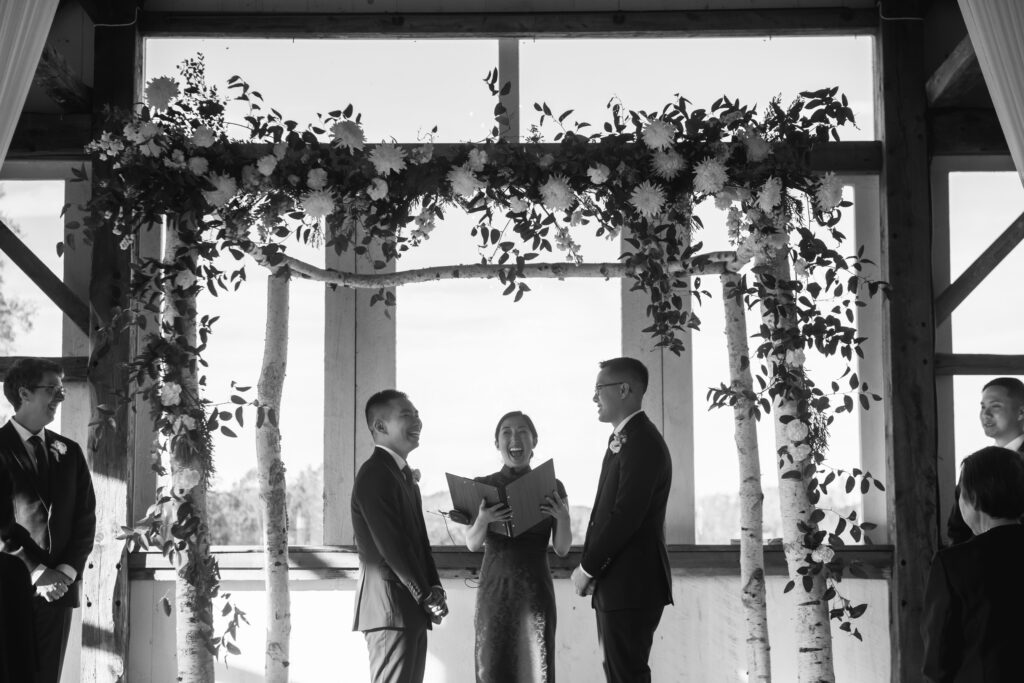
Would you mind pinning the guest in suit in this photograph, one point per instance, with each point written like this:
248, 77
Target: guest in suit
399, 592
54, 504
18, 660
1002, 418
973, 602
625, 562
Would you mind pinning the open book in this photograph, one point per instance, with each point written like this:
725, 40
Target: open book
524, 496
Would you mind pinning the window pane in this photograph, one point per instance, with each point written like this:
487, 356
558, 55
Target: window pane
31, 324
981, 206
467, 355
235, 353
716, 467
584, 74
402, 87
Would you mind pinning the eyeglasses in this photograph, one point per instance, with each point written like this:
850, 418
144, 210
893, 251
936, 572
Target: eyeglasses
52, 389
599, 387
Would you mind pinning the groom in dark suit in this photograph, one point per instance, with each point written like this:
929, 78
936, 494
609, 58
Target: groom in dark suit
399, 592
54, 505
625, 562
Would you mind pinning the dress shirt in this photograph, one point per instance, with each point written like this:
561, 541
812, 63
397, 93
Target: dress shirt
1015, 444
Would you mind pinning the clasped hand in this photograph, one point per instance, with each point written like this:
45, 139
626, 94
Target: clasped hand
436, 604
499, 512
52, 585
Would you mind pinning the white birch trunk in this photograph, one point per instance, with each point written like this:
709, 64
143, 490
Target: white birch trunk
813, 629
272, 483
759, 664
193, 607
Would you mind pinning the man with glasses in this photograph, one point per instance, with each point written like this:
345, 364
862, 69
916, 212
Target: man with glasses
54, 505
625, 562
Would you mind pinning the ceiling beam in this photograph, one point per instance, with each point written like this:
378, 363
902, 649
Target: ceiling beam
965, 132
60, 83
675, 23
51, 136
955, 77
110, 11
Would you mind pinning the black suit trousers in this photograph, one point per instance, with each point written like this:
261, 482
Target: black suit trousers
53, 625
397, 655
626, 636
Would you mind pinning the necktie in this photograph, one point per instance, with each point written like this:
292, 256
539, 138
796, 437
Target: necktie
407, 473
42, 460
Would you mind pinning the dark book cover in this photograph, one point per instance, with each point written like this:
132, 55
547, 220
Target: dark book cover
524, 496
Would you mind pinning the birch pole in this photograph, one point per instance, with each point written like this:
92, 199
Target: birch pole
272, 481
193, 605
813, 629
759, 664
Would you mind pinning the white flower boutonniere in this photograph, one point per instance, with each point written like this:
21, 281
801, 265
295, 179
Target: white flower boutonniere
416, 476
57, 449
618, 440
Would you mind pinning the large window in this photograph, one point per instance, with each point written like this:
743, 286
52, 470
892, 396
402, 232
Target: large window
463, 352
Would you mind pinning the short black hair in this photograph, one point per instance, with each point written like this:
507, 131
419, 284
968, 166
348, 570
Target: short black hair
515, 413
1014, 387
629, 368
27, 373
992, 480
380, 400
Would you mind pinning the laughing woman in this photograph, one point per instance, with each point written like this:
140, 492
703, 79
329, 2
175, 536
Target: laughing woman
515, 606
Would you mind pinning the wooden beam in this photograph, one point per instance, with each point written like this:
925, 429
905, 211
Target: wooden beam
75, 367
105, 629
965, 132
51, 136
702, 23
911, 476
978, 364
109, 11
973, 276
314, 563
44, 278
60, 83
955, 77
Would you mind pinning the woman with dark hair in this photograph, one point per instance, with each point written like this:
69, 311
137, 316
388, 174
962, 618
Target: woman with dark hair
973, 629
515, 606
17, 641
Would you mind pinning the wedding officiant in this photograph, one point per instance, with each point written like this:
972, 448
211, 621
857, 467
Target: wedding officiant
515, 605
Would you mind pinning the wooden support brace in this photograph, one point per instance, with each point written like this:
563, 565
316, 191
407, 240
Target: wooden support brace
955, 294
955, 77
978, 364
51, 285
60, 83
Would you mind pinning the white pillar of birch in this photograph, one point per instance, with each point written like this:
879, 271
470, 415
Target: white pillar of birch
759, 664
813, 629
272, 481
193, 607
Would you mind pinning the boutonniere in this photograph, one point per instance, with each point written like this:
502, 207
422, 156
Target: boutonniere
416, 476
57, 449
618, 440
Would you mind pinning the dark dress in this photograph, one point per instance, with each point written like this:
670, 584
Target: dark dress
515, 606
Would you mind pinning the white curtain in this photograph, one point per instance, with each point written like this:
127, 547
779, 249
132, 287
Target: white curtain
24, 25
996, 28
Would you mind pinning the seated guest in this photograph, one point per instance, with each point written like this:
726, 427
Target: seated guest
972, 625
17, 642
515, 606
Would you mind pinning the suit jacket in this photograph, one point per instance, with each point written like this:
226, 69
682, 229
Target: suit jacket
51, 528
398, 569
972, 627
956, 527
625, 544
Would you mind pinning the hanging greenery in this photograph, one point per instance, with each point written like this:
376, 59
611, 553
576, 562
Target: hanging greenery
639, 175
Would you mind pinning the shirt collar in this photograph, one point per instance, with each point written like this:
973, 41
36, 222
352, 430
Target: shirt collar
618, 429
1015, 444
399, 460
25, 434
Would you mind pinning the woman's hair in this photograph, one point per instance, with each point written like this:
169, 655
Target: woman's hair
516, 413
992, 480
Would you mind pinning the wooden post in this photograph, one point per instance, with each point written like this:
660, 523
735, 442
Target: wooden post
906, 243
105, 604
